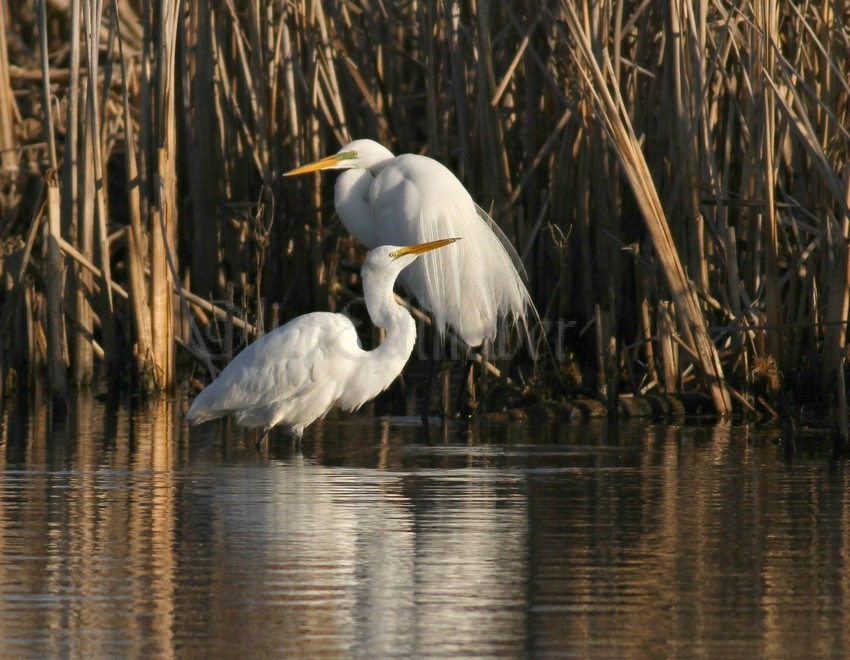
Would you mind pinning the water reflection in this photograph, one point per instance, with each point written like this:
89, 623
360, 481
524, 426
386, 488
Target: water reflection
120, 534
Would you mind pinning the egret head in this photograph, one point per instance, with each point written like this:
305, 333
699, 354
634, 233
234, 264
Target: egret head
359, 154
393, 259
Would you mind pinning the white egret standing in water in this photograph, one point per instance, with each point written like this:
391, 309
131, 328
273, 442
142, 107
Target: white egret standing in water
407, 199
299, 372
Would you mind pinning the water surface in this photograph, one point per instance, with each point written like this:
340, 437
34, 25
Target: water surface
122, 533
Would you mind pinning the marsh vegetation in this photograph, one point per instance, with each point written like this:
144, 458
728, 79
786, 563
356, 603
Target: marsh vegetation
674, 175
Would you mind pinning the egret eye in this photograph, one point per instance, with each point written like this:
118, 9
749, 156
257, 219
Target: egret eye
354, 154
393, 255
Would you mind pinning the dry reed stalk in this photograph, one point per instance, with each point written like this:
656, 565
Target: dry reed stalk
97, 349
691, 322
468, 169
72, 252
838, 294
92, 15
46, 97
11, 309
601, 329
8, 153
82, 235
57, 360
727, 241
290, 103
204, 167
540, 157
497, 178
530, 107
371, 99
79, 282
512, 67
582, 165
145, 157
161, 307
327, 71
248, 329
27, 351
795, 112
143, 349
136, 245
272, 71
669, 351
164, 216
427, 13
256, 132
767, 26
681, 111
262, 62
644, 290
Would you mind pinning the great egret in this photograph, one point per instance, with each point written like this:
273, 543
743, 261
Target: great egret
299, 372
408, 199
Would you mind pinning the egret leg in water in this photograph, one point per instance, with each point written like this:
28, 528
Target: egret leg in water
467, 386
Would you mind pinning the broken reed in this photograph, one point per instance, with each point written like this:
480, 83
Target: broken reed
674, 175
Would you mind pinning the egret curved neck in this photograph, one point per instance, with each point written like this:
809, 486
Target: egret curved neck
386, 313
351, 198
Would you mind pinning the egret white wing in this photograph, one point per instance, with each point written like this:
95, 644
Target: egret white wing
468, 286
284, 365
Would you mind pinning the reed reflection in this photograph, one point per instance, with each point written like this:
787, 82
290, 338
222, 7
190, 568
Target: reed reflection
121, 534
709, 543
94, 552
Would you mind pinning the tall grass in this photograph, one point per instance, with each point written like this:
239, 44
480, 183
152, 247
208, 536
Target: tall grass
673, 174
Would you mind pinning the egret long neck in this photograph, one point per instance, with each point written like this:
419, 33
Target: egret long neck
386, 313
351, 198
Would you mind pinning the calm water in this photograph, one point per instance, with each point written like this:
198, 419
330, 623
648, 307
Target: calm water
123, 534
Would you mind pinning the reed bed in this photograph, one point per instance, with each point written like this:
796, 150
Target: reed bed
674, 175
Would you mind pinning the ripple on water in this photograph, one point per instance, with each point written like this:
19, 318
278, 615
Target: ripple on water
128, 536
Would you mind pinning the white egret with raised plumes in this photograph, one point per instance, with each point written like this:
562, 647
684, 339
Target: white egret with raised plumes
403, 200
